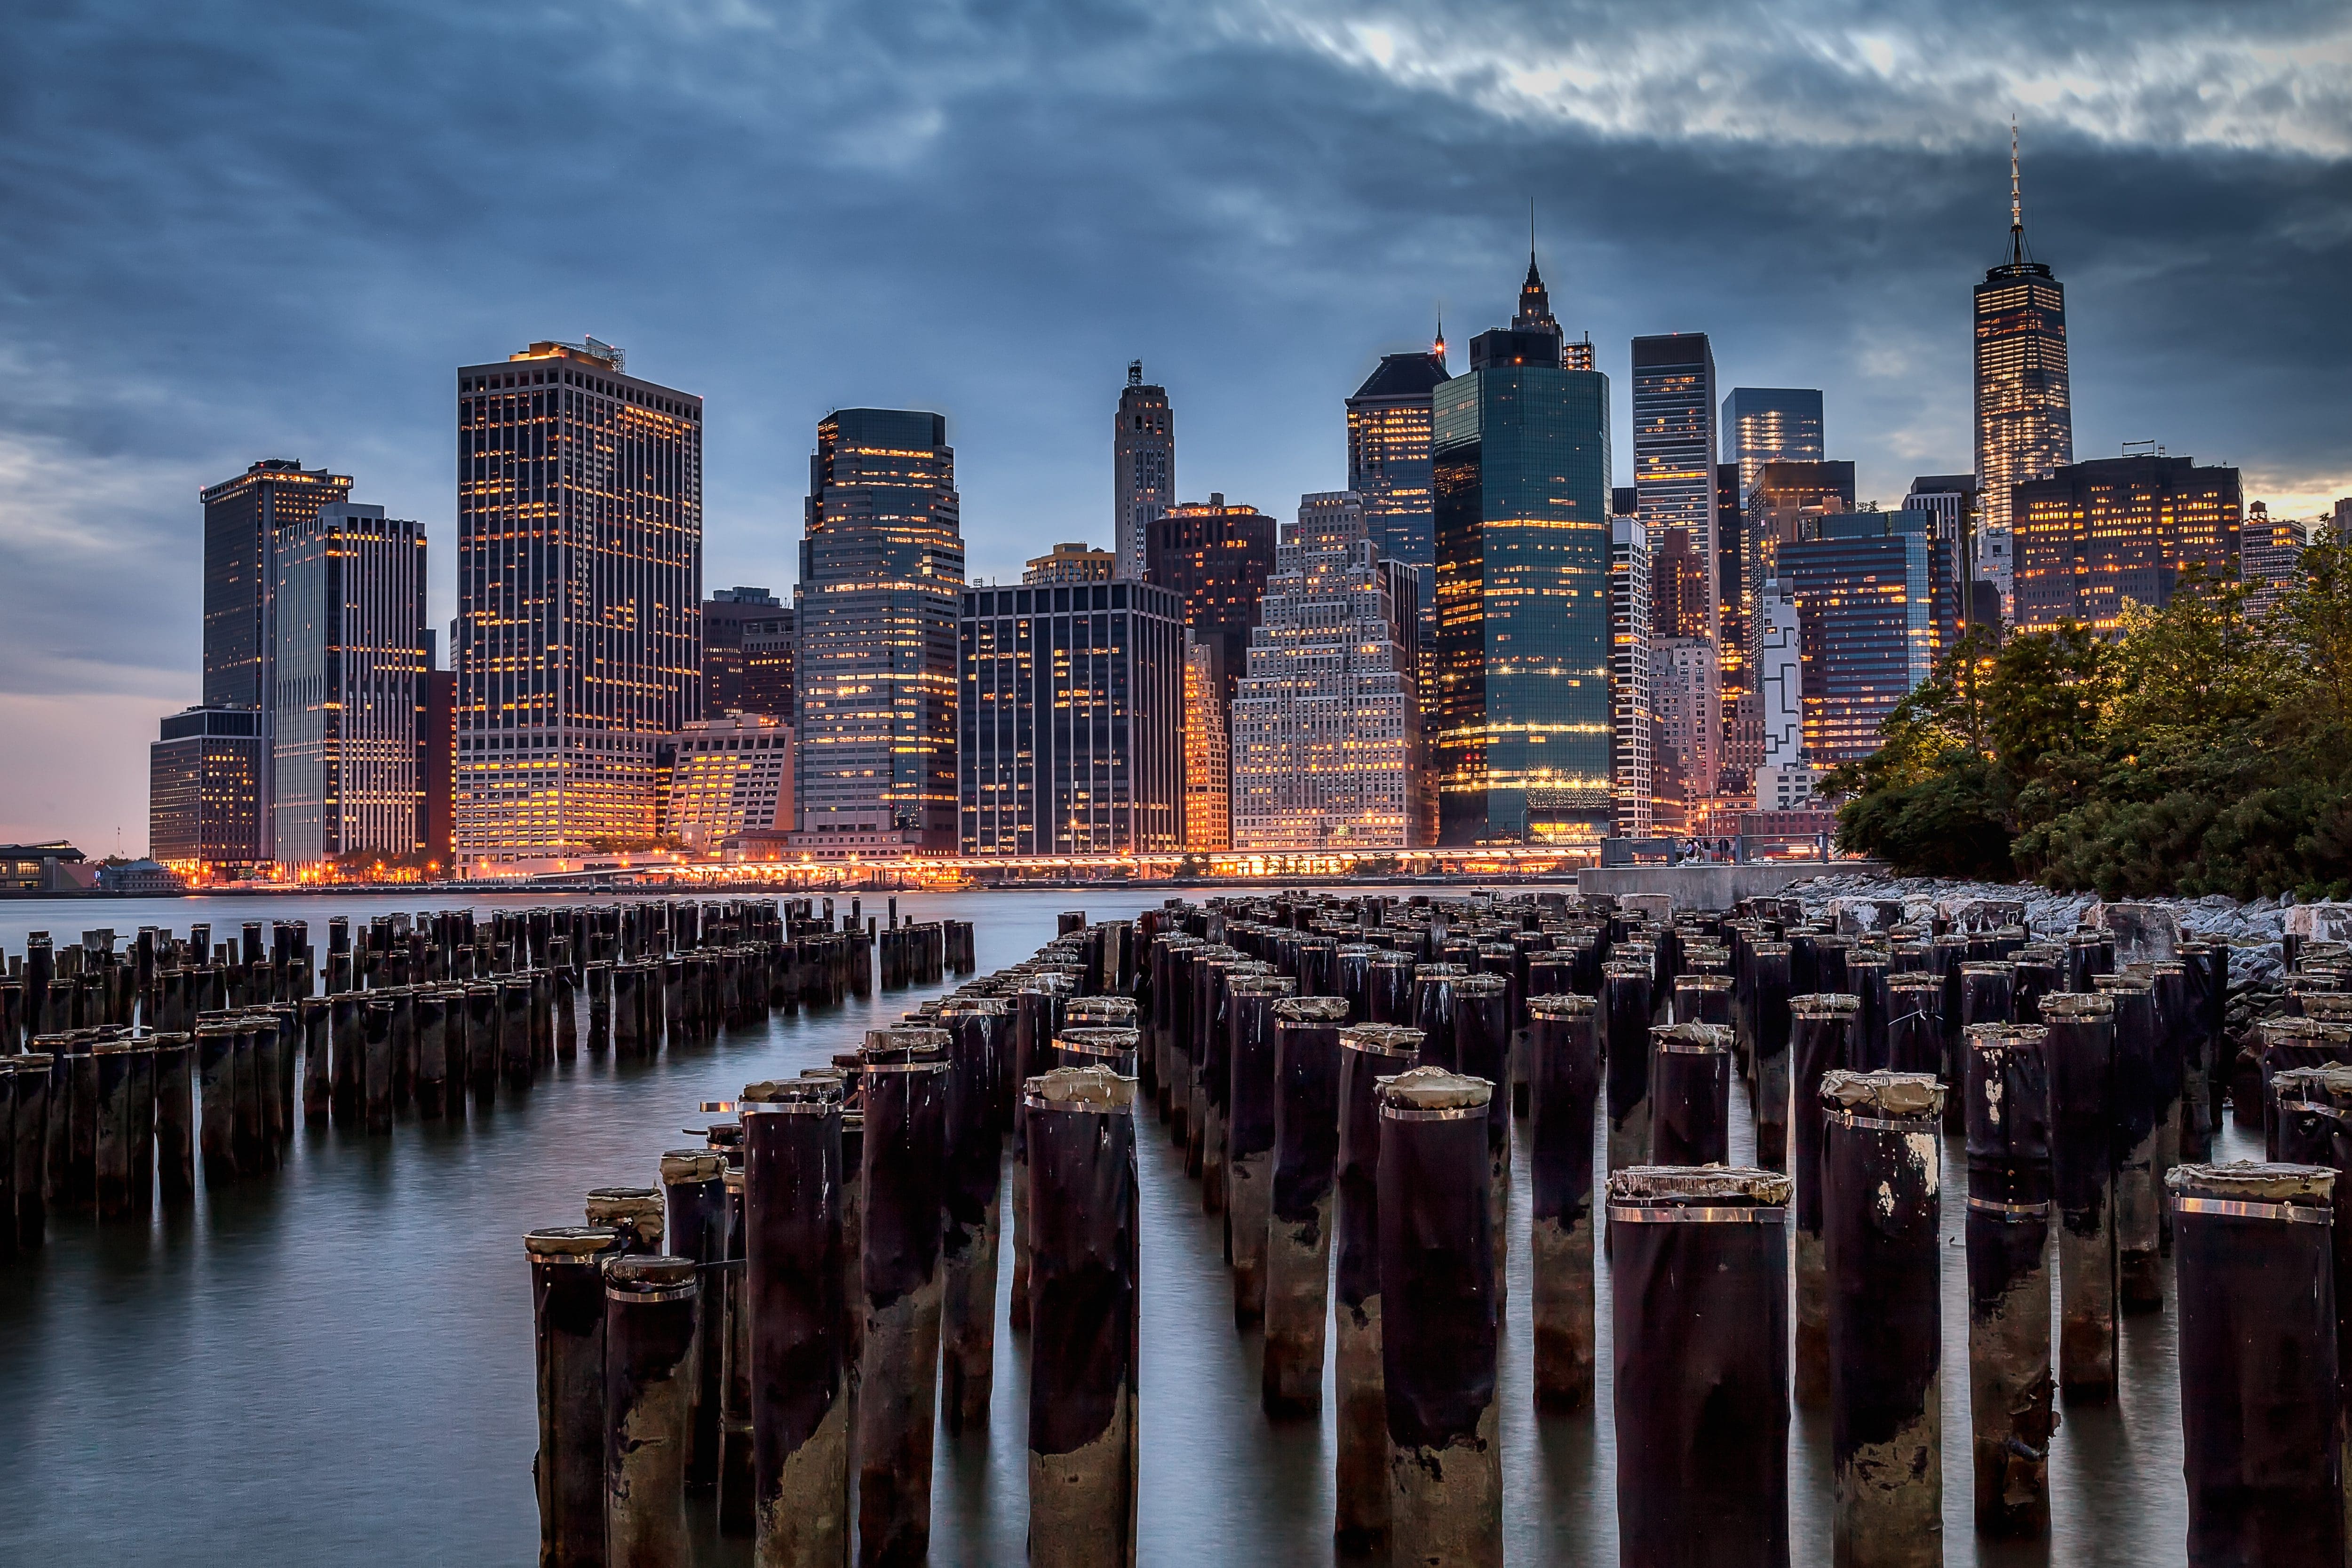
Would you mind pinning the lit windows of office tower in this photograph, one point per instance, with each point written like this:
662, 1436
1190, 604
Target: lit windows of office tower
1144, 468
243, 517
1216, 559
1874, 610
728, 617
351, 661
2024, 409
1389, 466
881, 566
1072, 715
1783, 778
1326, 725
1770, 424
1521, 469
579, 598
2099, 533
1674, 443
2270, 553
1784, 502
1688, 702
1981, 561
1208, 798
1734, 603
203, 790
1631, 718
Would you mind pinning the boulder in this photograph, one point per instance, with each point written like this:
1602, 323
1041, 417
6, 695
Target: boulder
2143, 932
1658, 906
1856, 915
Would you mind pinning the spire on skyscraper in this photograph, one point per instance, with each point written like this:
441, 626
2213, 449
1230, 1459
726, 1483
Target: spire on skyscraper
2016, 206
1438, 348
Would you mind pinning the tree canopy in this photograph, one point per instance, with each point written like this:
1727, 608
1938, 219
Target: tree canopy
2200, 750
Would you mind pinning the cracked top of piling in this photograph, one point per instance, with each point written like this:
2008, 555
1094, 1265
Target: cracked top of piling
2303, 1030
2259, 1180
692, 1165
2006, 1034
656, 1271
570, 1240
1387, 1039
1824, 1004
1562, 1006
1707, 1037
1888, 1094
1701, 1185
1433, 1089
1081, 1089
2076, 1007
820, 1086
1311, 1009
2330, 1085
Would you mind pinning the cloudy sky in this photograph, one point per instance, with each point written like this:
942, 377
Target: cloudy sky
246, 228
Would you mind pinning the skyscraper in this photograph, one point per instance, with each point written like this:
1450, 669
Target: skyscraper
1143, 463
1216, 559
1077, 562
1631, 719
1326, 725
727, 615
1521, 469
1874, 612
2097, 533
1389, 467
1208, 775
2024, 409
1686, 700
2270, 555
1071, 718
203, 790
242, 520
1783, 501
1673, 445
579, 598
1783, 778
351, 662
1735, 608
1771, 424
881, 568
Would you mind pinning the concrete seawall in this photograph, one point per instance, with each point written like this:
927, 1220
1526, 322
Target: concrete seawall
1715, 886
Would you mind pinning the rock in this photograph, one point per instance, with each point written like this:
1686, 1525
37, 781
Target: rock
1856, 915
2143, 932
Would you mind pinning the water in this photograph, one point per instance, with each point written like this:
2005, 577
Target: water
333, 1364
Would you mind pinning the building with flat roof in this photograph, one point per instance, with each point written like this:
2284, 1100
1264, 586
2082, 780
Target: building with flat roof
1632, 719
2270, 555
1673, 449
728, 776
579, 644
2096, 535
1875, 610
730, 618
1072, 563
1770, 424
203, 791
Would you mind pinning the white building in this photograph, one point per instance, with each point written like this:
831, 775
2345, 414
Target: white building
2270, 555
728, 776
1631, 715
1781, 693
1326, 726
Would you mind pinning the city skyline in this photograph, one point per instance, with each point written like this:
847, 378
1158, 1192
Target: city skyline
179, 317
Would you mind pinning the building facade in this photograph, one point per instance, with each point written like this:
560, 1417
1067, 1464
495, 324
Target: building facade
1633, 722
726, 777
1216, 559
1770, 424
1687, 705
2024, 397
579, 642
1874, 612
1674, 445
728, 617
350, 663
203, 790
1071, 719
881, 570
1072, 563
1207, 758
243, 519
1981, 557
1326, 725
1143, 464
1780, 687
772, 651
2094, 535
1522, 746
2270, 555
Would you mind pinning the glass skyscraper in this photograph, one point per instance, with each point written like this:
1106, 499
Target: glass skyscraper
1674, 443
1770, 424
1521, 469
2094, 535
1874, 609
579, 644
881, 568
2024, 403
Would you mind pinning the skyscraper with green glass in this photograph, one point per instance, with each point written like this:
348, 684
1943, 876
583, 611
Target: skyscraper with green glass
1520, 452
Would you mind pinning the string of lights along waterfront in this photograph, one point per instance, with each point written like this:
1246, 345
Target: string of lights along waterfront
1557, 660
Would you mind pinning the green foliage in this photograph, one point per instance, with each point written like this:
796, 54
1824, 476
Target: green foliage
2200, 751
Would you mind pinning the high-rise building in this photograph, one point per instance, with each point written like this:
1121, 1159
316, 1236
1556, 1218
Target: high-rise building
1624, 501
2024, 406
727, 616
1687, 703
1215, 558
771, 653
436, 756
1632, 722
350, 660
1389, 467
1071, 718
1770, 424
1873, 611
1674, 445
728, 776
2270, 555
1326, 725
1980, 558
881, 570
1735, 613
1072, 563
1679, 601
579, 598
1783, 503
1780, 698
1523, 744
1143, 463
2096, 534
1208, 798
203, 790
243, 517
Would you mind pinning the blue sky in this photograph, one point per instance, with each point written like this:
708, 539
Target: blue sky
253, 228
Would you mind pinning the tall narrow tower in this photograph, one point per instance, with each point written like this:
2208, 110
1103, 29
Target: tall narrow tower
2025, 419
1143, 483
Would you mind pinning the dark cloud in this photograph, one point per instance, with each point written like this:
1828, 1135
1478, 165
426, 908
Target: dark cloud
250, 228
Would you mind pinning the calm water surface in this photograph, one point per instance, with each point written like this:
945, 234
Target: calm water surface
333, 1364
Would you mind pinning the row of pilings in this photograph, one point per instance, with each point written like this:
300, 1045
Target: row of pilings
1341, 1076
149, 1064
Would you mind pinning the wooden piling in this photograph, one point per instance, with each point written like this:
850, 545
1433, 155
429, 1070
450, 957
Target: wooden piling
1820, 1036
567, 1276
1690, 1095
1298, 1236
1368, 1053
2010, 1215
2081, 1169
651, 1305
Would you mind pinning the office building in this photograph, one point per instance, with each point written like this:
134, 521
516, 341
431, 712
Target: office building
1779, 689
1208, 800
1674, 446
1624, 501
2270, 555
1216, 559
1521, 465
1735, 611
770, 655
243, 518
1873, 611
1632, 721
2024, 405
1389, 468
2096, 535
350, 661
1787, 499
1326, 725
1143, 466
1979, 551
579, 598
1071, 719
203, 791
1680, 604
1072, 563
881, 570
729, 617
726, 777
1770, 424
436, 756
1686, 704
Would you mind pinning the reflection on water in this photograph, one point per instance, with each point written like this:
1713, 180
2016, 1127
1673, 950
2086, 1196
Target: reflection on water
333, 1364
